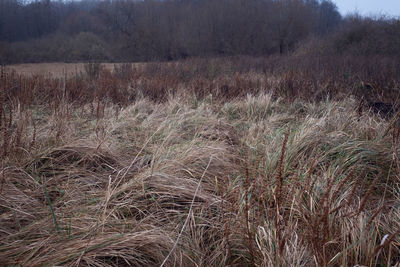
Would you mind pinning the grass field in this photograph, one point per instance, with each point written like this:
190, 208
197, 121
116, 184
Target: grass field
56, 70
187, 164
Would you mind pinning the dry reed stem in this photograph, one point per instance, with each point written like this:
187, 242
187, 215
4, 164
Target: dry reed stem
189, 213
278, 194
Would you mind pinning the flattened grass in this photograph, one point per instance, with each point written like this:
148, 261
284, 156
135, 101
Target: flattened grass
121, 188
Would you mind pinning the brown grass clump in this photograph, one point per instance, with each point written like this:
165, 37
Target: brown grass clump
146, 167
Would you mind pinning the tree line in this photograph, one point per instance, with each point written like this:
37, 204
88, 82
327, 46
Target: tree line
129, 30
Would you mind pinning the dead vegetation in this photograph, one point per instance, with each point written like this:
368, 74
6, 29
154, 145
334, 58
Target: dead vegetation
194, 165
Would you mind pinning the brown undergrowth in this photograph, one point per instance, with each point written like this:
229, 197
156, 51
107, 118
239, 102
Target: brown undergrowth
200, 170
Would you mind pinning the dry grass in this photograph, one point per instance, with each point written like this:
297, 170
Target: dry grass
56, 70
198, 179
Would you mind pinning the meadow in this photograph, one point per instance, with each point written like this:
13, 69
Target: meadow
201, 162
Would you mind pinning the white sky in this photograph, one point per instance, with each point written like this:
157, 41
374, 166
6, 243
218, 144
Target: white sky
369, 7
364, 7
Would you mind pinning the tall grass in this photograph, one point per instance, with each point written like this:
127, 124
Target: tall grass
195, 163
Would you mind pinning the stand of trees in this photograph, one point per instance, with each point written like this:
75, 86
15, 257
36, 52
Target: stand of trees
129, 30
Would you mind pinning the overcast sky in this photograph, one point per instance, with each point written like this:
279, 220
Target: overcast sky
364, 7
369, 7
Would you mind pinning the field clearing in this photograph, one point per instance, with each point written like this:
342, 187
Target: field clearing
57, 70
196, 163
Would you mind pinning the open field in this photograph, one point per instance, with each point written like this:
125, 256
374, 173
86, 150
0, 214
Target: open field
56, 70
198, 163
